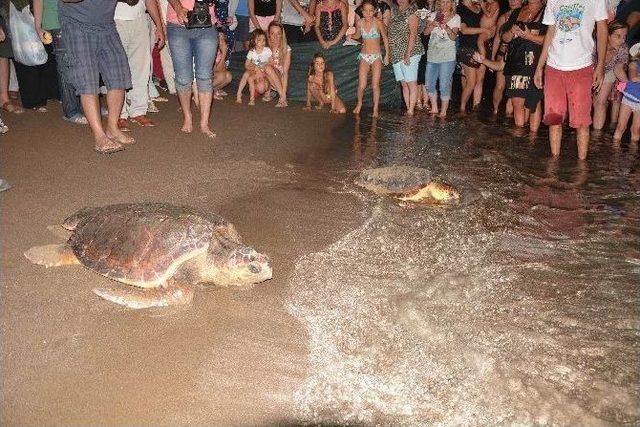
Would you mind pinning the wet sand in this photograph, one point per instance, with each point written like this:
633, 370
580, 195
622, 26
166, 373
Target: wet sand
233, 358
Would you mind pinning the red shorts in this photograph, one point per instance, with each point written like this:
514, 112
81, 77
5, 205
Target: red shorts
568, 87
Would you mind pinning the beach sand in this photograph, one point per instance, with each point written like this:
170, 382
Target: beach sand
235, 356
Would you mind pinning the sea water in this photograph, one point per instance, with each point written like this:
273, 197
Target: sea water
519, 306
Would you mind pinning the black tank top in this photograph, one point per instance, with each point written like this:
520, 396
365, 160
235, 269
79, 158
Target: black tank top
264, 7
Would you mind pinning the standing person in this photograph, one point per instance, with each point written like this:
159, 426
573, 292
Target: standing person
94, 45
443, 29
133, 27
262, 12
569, 74
191, 46
370, 56
614, 69
296, 21
45, 13
498, 53
242, 29
406, 51
470, 16
630, 104
331, 22
6, 52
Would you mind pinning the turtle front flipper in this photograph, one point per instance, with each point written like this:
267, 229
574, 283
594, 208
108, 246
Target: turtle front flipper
162, 296
51, 255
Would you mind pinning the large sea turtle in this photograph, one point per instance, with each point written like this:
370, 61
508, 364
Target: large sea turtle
159, 247
407, 183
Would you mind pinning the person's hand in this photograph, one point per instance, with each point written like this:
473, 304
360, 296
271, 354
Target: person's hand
537, 78
407, 59
324, 44
598, 77
306, 28
308, 19
478, 57
181, 13
229, 20
2, 35
276, 19
161, 37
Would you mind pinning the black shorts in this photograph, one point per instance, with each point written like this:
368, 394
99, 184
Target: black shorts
465, 56
523, 87
242, 30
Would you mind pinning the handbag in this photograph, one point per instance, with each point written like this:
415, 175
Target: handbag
27, 46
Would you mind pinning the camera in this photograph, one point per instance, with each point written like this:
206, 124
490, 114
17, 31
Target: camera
199, 16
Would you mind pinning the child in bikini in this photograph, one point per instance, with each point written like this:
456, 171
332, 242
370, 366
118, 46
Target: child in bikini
256, 63
490, 12
321, 87
370, 29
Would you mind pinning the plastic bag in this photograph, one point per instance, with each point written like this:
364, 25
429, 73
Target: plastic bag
27, 46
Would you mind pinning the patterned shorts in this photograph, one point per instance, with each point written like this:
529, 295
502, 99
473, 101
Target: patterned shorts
95, 52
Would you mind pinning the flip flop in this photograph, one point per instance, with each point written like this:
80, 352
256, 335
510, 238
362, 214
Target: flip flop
9, 107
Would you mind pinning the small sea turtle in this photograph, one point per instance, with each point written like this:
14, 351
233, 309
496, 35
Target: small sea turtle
159, 247
407, 183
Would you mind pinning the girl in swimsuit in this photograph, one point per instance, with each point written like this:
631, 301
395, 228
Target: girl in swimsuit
321, 87
331, 22
370, 56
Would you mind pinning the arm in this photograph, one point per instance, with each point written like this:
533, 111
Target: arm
180, 10
601, 41
634, 76
343, 30
248, 65
413, 35
537, 78
358, 32
494, 65
527, 34
316, 28
470, 31
296, 5
498, 37
452, 33
620, 73
308, 104
332, 89
385, 40
37, 18
154, 13
278, 10
431, 24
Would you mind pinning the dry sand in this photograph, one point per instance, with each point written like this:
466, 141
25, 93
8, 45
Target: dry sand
235, 357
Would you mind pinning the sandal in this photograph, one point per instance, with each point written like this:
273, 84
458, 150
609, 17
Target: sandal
160, 99
76, 120
9, 107
142, 120
41, 109
108, 149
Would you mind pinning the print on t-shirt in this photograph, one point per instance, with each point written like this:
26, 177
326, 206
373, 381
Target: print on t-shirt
569, 19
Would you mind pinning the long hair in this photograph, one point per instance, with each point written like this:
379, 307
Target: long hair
615, 26
254, 35
312, 71
284, 46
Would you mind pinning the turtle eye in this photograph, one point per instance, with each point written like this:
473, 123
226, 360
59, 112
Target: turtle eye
255, 269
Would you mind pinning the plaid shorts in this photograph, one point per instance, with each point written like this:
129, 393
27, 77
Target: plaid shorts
95, 52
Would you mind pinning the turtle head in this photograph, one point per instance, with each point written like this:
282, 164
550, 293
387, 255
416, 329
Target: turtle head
243, 266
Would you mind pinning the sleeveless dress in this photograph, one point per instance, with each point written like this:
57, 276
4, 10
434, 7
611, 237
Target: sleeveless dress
330, 21
521, 61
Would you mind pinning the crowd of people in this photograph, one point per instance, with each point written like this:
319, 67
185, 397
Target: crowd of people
552, 59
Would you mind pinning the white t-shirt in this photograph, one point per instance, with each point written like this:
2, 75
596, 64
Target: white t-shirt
573, 45
441, 47
259, 59
124, 12
290, 15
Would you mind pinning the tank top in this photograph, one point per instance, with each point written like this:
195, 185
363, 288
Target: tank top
399, 35
264, 7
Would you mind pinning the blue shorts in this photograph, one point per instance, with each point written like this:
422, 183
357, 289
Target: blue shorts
407, 73
95, 52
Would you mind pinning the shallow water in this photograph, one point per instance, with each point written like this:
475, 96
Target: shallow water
519, 306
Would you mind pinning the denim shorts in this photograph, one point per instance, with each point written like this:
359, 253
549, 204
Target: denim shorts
193, 52
441, 72
407, 73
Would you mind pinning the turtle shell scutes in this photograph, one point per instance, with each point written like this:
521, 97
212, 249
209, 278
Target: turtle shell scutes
393, 179
142, 244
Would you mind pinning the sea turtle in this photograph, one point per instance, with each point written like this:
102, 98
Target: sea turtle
407, 183
159, 247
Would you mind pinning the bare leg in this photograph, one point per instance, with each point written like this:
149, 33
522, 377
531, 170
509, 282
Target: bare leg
317, 95
376, 71
635, 128
443, 108
615, 111
115, 100
555, 136
241, 85
623, 121
185, 102
583, 142
91, 108
405, 93
468, 85
252, 90
498, 91
363, 76
519, 111
413, 97
535, 118
600, 104
205, 111
477, 89
274, 79
509, 108
4, 80
433, 98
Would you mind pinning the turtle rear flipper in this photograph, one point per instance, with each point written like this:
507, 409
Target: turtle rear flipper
51, 255
163, 296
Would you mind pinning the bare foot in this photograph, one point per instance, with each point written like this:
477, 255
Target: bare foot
238, 100
252, 102
375, 113
106, 145
442, 114
117, 136
206, 131
187, 126
281, 104
357, 109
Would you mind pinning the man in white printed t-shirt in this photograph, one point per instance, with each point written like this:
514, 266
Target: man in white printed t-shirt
569, 74
133, 27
